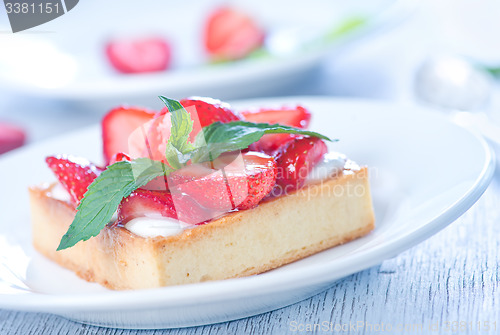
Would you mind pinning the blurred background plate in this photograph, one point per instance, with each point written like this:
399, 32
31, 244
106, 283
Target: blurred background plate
65, 58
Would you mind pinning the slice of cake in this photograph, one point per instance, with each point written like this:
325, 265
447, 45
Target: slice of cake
238, 214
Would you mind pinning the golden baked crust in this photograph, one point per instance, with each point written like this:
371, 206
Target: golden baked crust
243, 243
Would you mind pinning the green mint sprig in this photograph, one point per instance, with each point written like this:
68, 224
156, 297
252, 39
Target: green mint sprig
104, 195
237, 135
119, 180
178, 145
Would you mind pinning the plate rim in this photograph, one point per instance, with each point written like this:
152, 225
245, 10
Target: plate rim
218, 291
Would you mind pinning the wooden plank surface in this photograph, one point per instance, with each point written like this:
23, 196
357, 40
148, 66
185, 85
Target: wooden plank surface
448, 284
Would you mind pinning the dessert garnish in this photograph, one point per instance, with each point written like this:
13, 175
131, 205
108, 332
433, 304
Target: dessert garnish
177, 153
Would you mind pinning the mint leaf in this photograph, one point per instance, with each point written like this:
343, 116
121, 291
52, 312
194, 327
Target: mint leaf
178, 145
237, 135
172, 155
105, 194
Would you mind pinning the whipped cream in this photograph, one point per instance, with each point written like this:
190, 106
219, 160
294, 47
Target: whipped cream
332, 163
155, 226
148, 226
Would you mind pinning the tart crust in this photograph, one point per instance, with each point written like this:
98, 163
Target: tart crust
243, 243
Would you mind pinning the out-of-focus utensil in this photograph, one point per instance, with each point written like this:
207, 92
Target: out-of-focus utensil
457, 86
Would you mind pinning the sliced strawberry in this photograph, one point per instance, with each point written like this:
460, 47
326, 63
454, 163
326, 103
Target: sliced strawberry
152, 139
271, 143
210, 110
231, 181
204, 111
298, 117
143, 202
139, 55
74, 174
261, 174
119, 157
160, 203
231, 34
11, 137
295, 160
118, 125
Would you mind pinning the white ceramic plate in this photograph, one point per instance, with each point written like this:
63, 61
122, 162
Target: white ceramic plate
425, 171
65, 59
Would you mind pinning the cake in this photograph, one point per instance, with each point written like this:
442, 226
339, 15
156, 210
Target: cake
260, 233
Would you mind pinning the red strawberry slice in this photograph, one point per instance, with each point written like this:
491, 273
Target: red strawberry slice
151, 140
117, 126
143, 202
11, 137
298, 117
261, 174
160, 203
231, 181
119, 157
210, 110
295, 160
74, 174
139, 55
207, 111
231, 34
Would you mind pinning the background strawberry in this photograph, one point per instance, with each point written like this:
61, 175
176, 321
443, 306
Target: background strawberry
11, 137
74, 174
231, 34
139, 55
